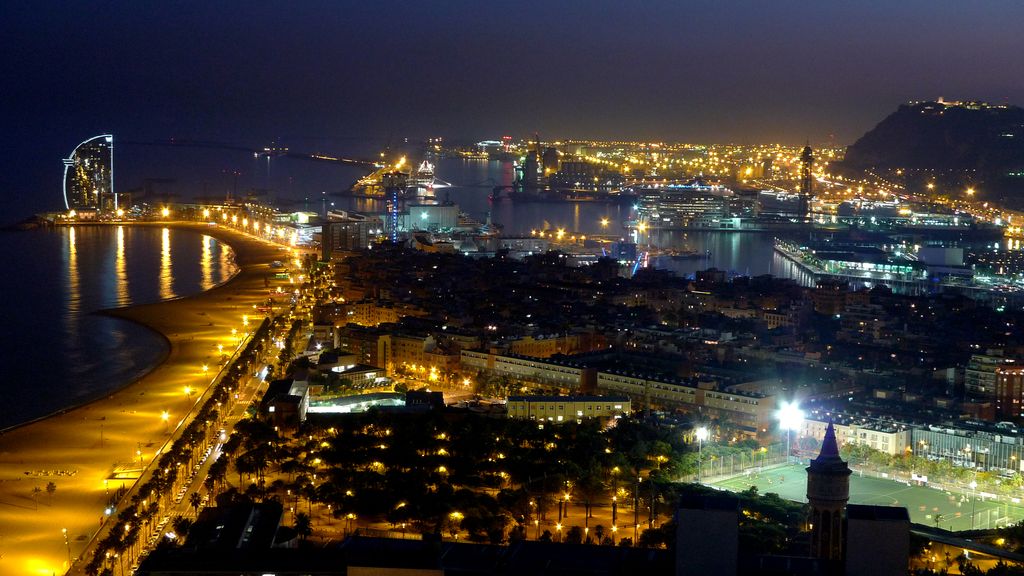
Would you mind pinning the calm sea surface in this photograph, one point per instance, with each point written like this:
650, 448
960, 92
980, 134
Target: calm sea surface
54, 351
473, 180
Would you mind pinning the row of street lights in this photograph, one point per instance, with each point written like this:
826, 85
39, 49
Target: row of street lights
165, 416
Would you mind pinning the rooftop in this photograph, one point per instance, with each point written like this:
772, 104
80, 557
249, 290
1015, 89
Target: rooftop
580, 398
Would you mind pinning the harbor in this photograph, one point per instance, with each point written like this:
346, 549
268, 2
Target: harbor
925, 272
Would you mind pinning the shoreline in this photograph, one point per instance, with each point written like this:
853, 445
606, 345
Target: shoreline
78, 448
116, 312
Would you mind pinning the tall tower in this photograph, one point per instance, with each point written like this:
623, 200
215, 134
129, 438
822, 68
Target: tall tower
806, 183
89, 175
828, 489
391, 224
393, 182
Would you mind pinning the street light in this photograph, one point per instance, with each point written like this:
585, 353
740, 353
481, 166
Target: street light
790, 417
974, 500
165, 416
702, 435
67, 543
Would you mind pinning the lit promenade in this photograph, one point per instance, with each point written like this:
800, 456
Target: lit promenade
126, 426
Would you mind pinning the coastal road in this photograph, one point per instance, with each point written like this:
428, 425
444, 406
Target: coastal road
180, 503
77, 450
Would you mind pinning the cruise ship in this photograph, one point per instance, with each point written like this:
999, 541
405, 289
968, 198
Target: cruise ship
679, 206
420, 184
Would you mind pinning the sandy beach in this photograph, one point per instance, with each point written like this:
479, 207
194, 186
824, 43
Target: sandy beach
79, 449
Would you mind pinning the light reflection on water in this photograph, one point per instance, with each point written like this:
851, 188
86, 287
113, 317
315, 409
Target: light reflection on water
74, 293
121, 267
474, 180
56, 352
206, 263
166, 276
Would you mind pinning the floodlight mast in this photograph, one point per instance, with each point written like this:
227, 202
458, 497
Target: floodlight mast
790, 418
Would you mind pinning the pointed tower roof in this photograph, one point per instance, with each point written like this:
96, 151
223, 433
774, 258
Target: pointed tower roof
828, 459
829, 446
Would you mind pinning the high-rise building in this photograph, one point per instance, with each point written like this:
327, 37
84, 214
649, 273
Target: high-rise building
980, 374
828, 490
1010, 392
806, 182
89, 175
350, 234
393, 208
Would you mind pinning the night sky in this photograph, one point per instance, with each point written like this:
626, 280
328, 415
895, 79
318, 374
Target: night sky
337, 72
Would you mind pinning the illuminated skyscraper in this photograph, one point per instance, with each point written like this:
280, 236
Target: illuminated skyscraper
89, 175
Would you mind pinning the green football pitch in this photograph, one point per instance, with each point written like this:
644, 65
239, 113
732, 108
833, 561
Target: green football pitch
925, 504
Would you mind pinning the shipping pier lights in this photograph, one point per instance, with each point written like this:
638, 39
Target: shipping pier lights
790, 418
89, 176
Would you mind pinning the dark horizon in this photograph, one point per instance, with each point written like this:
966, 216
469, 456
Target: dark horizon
324, 71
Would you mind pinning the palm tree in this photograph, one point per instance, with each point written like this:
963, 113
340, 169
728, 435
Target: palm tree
590, 487
181, 525
244, 464
50, 489
218, 471
120, 549
195, 500
291, 467
303, 525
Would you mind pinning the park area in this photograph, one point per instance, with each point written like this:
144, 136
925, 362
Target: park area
927, 505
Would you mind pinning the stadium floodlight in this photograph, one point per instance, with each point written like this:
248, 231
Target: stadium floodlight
702, 434
790, 418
